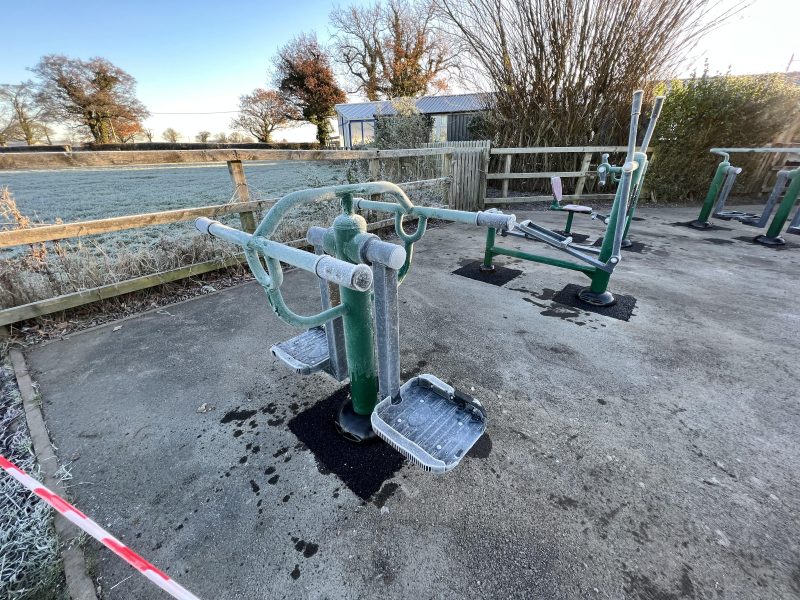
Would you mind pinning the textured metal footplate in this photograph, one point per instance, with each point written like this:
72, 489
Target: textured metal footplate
430, 422
727, 215
305, 353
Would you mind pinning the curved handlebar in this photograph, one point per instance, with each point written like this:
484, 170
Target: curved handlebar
356, 277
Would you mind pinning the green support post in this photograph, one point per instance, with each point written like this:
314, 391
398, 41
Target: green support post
773, 235
353, 418
568, 226
702, 221
488, 254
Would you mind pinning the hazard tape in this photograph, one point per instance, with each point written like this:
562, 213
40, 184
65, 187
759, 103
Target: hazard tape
75, 516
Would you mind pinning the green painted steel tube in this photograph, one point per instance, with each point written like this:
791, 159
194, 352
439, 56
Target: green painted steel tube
279, 307
568, 226
786, 205
641, 158
358, 321
713, 191
489, 253
545, 260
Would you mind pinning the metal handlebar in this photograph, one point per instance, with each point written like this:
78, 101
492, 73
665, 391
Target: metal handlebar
339, 272
651, 126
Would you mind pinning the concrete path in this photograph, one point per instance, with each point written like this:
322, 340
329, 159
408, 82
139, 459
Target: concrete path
656, 458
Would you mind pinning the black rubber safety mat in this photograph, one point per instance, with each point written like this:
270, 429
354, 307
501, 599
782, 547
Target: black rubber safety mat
500, 275
636, 247
714, 226
752, 240
362, 467
622, 309
577, 238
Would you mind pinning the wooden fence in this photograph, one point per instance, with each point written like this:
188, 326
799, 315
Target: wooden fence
247, 209
581, 175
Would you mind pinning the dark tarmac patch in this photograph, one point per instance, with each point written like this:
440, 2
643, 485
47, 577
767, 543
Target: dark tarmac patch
577, 238
635, 247
237, 415
482, 448
387, 491
718, 241
622, 309
500, 275
751, 240
362, 467
688, 224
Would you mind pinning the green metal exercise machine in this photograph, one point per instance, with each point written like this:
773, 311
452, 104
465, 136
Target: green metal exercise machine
605, 169
356, 335
787, 184
600, 267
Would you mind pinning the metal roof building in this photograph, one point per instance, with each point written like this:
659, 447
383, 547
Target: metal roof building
451, 117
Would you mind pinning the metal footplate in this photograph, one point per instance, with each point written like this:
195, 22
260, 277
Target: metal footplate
430, 422
306, 353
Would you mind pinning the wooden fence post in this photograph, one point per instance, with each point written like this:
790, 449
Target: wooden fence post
506, 169
484, 171
447, 171
587, 160
236, 170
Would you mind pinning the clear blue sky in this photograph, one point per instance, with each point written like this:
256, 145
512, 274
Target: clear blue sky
200, 56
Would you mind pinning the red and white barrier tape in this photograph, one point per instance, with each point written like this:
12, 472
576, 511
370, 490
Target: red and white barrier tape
75, 516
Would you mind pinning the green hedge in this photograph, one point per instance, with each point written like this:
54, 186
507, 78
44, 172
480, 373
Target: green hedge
720, 111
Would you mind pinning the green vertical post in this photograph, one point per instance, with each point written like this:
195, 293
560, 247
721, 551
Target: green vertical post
711, 197
488, 254
773, 235
568, 226
358, 319
601, 278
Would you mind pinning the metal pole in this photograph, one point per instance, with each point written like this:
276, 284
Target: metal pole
773, 235
702, 221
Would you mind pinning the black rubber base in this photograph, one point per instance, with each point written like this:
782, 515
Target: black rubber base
769, 241
363, 468
497, 276
622, 309
700, 225
353, 426
603, 299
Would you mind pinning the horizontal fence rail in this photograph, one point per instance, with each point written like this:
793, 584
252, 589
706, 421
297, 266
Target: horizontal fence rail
246, 208
124, 158
507, 175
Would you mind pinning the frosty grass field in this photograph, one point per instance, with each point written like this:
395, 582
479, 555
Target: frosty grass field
83, 194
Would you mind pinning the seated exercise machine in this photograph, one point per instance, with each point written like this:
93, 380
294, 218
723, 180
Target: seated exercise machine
599, 261
605, 169
356, 335
787, 183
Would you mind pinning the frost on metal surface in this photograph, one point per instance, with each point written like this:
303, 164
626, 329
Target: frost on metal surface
30, 565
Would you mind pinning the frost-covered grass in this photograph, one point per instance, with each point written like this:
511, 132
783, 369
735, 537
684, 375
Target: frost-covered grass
40, 271
29, 561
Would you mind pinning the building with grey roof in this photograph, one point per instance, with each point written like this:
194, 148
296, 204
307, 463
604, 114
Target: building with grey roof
451, 117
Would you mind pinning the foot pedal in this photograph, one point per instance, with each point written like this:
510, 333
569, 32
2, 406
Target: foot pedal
794, 230
306, 353
430, 422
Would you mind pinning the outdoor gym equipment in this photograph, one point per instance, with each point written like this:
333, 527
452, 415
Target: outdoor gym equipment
598, 268
787, 183
356, 335
605, 169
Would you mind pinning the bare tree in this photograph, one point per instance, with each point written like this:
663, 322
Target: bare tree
203, 136
8, 124
562, 73
148, 133
93, 93
221, 137
392, 50
236, 138
30, 116
171, 135
263, 111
